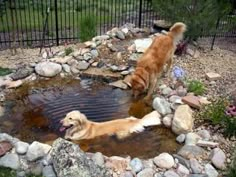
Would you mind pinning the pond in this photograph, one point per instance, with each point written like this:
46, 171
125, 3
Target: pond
35, 109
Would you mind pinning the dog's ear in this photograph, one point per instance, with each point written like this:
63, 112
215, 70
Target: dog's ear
82, 120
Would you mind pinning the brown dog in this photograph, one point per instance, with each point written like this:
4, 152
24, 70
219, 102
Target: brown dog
78, 127
150, 65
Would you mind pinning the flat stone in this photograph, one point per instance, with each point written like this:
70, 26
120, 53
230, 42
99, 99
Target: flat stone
218, 158
191, 151
171, 173
192, 138
211, 171
21, 147
136, 165
127, 80
98, 158
5, 146
10, 160
213, 76
119, 84
61, 60
142, 44
192, 101
162, 24
183, 120
124, 73
180, 138
161, 105
196, 166
175, 99
147, 172
37, 150
204, 143
164, 160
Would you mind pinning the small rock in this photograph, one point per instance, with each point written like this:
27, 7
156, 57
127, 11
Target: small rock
182, 160
167, 120
142, 44
218, 158
147, 172
66, 68
204, 143
213, 76
124, 73
197, 175
180, 138
82, 65
164, 160
136, 165
191, 151
190, 52
211, 171
181, 91
195, 166
204, 134
182, 121
125, 30
127, 80
10, 160
5, 146
48, 69
90, 44
48, 171
170, 173
61, 60
119, 84
74, 69
192, 101
175, 99
182, 170
192, 139
87, 56
120, 35
98, 158
36, 169
204, 101
166, 91
21, 174
21, 147
37, 150
161, 105
111, 47
94, 53
114, 68
157, 175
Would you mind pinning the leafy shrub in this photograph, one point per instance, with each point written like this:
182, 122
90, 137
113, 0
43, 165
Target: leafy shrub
68, 51
87, 28
195, 86
4, 71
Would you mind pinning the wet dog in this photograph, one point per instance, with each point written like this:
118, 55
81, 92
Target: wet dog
78, 127
151, 64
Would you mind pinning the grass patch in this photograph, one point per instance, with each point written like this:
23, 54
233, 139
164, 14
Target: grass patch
195, 86
87, 28
4, 71
7, 172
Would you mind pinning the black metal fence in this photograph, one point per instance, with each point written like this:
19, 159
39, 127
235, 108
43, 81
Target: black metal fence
29, 22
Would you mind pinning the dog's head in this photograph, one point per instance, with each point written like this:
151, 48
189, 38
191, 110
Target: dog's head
139, 81
72, 119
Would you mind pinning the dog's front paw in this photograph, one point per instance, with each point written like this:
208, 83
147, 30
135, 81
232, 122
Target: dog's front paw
148, 100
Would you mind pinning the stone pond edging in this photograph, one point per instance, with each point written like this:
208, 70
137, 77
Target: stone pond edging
200, 155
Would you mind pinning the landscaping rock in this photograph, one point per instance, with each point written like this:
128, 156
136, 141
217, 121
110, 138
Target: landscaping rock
37, 150
180, 138
10, 160
167, 120
204, 134
161, 105
213, 76
166, 91
87, 56
69, 160
48, 69
195, 166
120, 35
21, 147
48, 171
147, 172
191, 139
192, 101
94, 53
191, 151
119, 84
98, 158
182, 170
66, 68
198, 175
136, 165
82, 65
211, 171
142, 44
164, 160
218, 158
22, 73
171, 173
182, 121
5, 146
181, 91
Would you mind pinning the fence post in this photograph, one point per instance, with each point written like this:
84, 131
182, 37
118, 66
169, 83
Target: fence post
56, 19
140, 13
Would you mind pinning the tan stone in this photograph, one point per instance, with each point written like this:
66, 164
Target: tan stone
213, 76
192, 101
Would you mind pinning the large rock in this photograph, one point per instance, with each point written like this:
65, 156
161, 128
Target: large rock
191, 151
69, 160
37, 150
183, 120
48, 69
161, 105
11, 161
22, 73
164, 160
142, 44
218, 158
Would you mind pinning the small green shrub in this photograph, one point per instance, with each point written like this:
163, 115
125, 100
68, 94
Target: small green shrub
7, 172
87, 28
68, 51
4, 71
195, 86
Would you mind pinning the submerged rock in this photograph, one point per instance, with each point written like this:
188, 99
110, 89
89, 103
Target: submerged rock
69, 160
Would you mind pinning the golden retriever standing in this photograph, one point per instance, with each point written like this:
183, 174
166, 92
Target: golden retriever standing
150, 65
78, 127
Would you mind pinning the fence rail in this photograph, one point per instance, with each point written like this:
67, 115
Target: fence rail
29, 22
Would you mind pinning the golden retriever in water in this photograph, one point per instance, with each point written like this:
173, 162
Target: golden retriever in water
150, 65
78, 127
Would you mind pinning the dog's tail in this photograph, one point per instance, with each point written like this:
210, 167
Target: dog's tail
177, 30
150, 119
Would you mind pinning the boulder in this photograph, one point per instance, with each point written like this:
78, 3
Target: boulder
37, 150
48, 69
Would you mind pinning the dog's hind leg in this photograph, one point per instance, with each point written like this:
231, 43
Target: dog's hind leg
153, 84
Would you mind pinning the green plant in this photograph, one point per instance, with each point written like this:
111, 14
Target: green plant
195, 86
7, 172
87, 28
232, 168
68, 51
4, 71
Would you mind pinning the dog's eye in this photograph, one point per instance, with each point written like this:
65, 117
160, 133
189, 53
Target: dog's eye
70, 118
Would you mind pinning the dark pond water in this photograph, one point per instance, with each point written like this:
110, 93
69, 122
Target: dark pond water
34, 112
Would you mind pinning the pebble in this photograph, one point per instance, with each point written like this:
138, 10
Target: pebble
164, 160
21, 147
94, 53
124, 73
66, 68
182, 170
136, 165
166, 91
